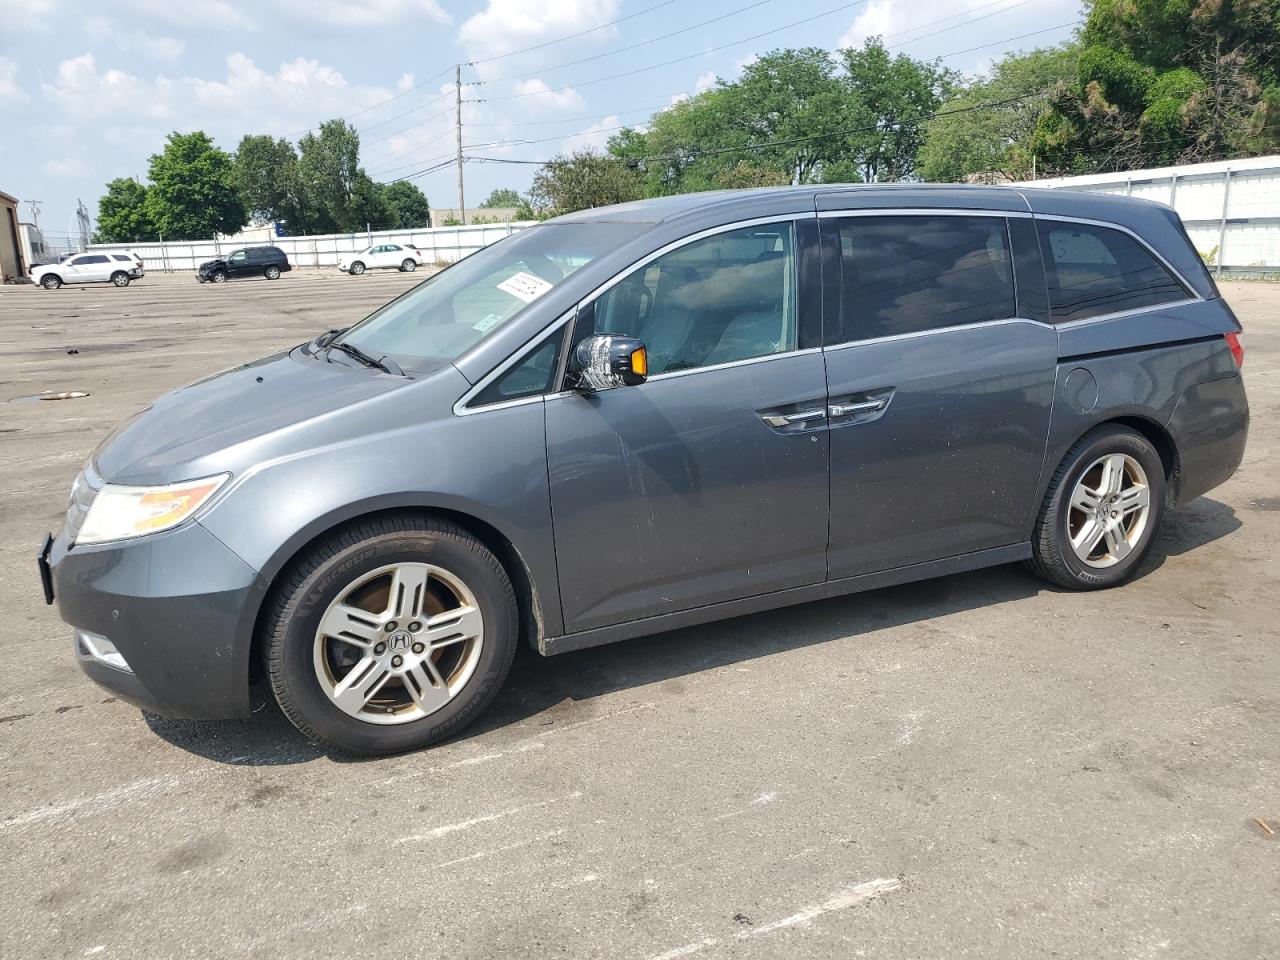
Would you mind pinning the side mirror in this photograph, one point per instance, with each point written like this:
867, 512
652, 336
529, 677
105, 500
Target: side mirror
607, 361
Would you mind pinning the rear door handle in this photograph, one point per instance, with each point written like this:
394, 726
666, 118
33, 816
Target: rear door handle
786, 419
861, 406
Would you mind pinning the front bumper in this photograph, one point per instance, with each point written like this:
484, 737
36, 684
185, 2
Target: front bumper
173, 605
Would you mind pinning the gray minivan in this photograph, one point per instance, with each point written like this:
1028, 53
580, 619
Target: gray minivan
645, 417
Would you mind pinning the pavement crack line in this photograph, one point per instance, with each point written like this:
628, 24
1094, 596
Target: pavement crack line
448, 828
841, 900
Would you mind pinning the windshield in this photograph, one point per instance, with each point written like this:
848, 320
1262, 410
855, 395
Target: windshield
453, 311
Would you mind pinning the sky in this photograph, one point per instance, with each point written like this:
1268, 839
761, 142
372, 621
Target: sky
88, 91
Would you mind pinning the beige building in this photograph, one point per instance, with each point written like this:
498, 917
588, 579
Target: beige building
474, 215
12, 267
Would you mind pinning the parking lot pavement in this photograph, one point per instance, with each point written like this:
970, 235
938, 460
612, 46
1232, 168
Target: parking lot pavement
977, 766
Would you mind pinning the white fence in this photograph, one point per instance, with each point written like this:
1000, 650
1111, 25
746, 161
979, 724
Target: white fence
1231, 209
442, 244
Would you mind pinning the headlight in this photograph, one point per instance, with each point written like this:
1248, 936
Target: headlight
119, 512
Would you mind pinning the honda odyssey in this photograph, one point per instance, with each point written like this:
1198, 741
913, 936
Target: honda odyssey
645, 417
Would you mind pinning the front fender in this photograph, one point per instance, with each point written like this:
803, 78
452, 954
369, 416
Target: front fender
490, 466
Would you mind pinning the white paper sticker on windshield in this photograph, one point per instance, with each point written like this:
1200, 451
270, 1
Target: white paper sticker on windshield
487, 323
525, 286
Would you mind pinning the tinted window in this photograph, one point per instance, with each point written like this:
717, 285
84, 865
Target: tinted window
121, 257
528, 378
904, 274
1096, 270
728, 297
238, 257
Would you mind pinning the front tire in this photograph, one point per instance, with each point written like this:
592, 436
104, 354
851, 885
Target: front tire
392, 634
120, 279
357, 268
51, 281
219, 276
408, 266
272, 273
1102, 511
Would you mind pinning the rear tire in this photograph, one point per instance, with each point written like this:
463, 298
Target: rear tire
1102, 511
219, 276
272, 272
51, 281
408, 266
368, 568
357, 268
120, 279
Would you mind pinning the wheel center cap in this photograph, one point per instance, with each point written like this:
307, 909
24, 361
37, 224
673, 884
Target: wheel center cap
398, 642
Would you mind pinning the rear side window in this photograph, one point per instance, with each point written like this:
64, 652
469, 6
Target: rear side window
1094, 270
122, 258
906, 274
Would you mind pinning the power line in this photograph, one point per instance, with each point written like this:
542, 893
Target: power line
696, 154
667, 63
593, 116
631, 46
380, 103
954, 16
1034, 33
985, 16
571, 36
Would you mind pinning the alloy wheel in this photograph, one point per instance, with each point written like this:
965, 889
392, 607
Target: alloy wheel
1108, 512
398, 643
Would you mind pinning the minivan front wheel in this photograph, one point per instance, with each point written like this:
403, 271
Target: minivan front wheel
393, 634
1101, 512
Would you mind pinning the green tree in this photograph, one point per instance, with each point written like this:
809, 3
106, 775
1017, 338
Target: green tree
504, 197
266, 174
336, 194
122, 213
406, 205
192, 194
1164, 81
887, 91
970, 142
581, 180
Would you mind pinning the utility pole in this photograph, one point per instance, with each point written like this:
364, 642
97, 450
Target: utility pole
457, 91
34, 206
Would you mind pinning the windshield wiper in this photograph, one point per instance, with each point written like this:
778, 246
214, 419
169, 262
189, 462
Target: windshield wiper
384, 364
322, 341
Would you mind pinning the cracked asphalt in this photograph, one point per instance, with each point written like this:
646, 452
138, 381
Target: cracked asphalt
977, 766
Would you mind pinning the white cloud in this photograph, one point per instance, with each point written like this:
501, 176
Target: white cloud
538, 97
505, 26
208, 15
28, 15
9, 89
102, 29
705, 82
65, 167
364, 13
405, 83
595, 137
84, 92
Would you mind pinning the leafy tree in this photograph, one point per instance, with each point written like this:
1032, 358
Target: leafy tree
192, 194
583, 179
406, 205
1164, 81
336, 195
887, 91
504, 197
992, 144
122, 213
266, 174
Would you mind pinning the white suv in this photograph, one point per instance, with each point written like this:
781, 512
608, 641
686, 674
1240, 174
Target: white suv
397, 256
117, 268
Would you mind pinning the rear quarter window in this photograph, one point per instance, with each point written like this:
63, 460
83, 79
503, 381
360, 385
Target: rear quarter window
1093, 270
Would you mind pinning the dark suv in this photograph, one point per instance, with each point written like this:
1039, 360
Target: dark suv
267, 262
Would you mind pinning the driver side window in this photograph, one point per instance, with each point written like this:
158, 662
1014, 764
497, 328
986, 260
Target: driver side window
727, 297
238, 257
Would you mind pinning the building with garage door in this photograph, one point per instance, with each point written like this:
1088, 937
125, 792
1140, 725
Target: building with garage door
12, 267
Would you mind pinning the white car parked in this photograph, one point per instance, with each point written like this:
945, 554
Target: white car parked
383, 256
117, 268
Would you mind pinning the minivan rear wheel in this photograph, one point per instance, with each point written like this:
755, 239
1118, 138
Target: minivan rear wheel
394, 633
1101, 512
120, 278
272, 272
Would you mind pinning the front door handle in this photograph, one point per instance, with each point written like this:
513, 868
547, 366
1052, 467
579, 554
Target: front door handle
861, 406
786, 419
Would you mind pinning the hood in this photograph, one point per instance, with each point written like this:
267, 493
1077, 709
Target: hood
237, 418
211, 263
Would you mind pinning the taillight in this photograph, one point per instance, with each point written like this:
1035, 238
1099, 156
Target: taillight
1237, 348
